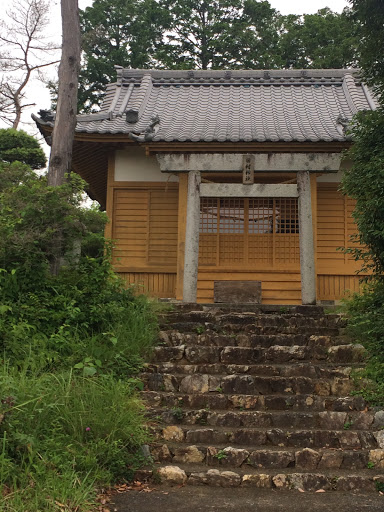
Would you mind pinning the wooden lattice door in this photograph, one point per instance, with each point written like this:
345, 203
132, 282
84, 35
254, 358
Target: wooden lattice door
249, 233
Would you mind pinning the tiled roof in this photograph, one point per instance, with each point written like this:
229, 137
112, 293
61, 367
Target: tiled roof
206, 106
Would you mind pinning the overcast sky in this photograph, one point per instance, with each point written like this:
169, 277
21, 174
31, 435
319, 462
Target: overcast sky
39, 94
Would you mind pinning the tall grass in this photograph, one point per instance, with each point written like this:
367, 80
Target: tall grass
62, 435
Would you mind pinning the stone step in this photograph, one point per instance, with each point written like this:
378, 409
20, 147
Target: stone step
276, 354
264, 437
260, 395
303, 459
214, 401
282, 320
173, 338
247, 384
286, 419
225, 328
313, 371
331, 480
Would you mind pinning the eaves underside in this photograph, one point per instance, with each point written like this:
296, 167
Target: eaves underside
207, 147
123, 140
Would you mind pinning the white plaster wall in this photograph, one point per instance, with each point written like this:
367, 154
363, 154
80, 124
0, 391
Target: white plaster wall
134, 165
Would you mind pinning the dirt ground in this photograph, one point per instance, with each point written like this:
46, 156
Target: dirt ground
212, 499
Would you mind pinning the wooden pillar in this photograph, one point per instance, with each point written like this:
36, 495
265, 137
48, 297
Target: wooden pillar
307, 251
191, 260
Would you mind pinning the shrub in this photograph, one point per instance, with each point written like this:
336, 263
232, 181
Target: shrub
366, 325
72, 344
17, 145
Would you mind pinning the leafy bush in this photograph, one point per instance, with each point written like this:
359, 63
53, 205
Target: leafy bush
364, 182
84, 318
71, 345
366, 326
17, 145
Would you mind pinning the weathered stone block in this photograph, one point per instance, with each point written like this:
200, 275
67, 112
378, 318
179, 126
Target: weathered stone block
190, 454
322, 388
197, 479
259, 481
172, 475
168, 353
271, 459
309, 482
247, 401
256, 419
331, 460
200, 355
223, 479
354, 483
379, 420
161, 454
349, 440
282, 354
195, 384
228, 419
238, 384
280, 481
307, 458
341, 386
170, 383
377, 458
204, 436
351, 353
355, 460
363, 420
248, 437
277, 437
173, 433
331, 420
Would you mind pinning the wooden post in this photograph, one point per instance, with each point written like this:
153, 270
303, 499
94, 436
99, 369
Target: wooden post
307, 252
191, 261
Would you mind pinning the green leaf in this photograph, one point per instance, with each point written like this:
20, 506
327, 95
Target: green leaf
89, 371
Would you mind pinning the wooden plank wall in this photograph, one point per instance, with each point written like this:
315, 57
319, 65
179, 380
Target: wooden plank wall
149, 247
337, 276
145, 230
157, 284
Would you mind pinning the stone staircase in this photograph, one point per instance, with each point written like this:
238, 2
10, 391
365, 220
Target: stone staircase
260, 396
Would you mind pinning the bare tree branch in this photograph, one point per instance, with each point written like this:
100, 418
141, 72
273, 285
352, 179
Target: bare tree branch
24, 49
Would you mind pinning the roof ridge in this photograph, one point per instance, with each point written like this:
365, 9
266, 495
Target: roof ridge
126, 74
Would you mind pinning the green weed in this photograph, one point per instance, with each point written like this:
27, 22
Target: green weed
221, 455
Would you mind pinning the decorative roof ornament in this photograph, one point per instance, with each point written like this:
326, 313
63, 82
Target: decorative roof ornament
150, 131
343, 123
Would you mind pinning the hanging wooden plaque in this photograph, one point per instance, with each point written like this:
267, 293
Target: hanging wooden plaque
248, 169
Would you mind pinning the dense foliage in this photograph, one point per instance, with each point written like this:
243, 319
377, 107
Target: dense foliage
122, 32
16, 145
364, 182
369, 18
71, 348
202, 34
366, 326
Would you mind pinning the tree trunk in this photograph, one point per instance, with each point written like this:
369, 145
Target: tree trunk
65, 123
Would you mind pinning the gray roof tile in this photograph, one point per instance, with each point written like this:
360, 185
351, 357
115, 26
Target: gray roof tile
256, 105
